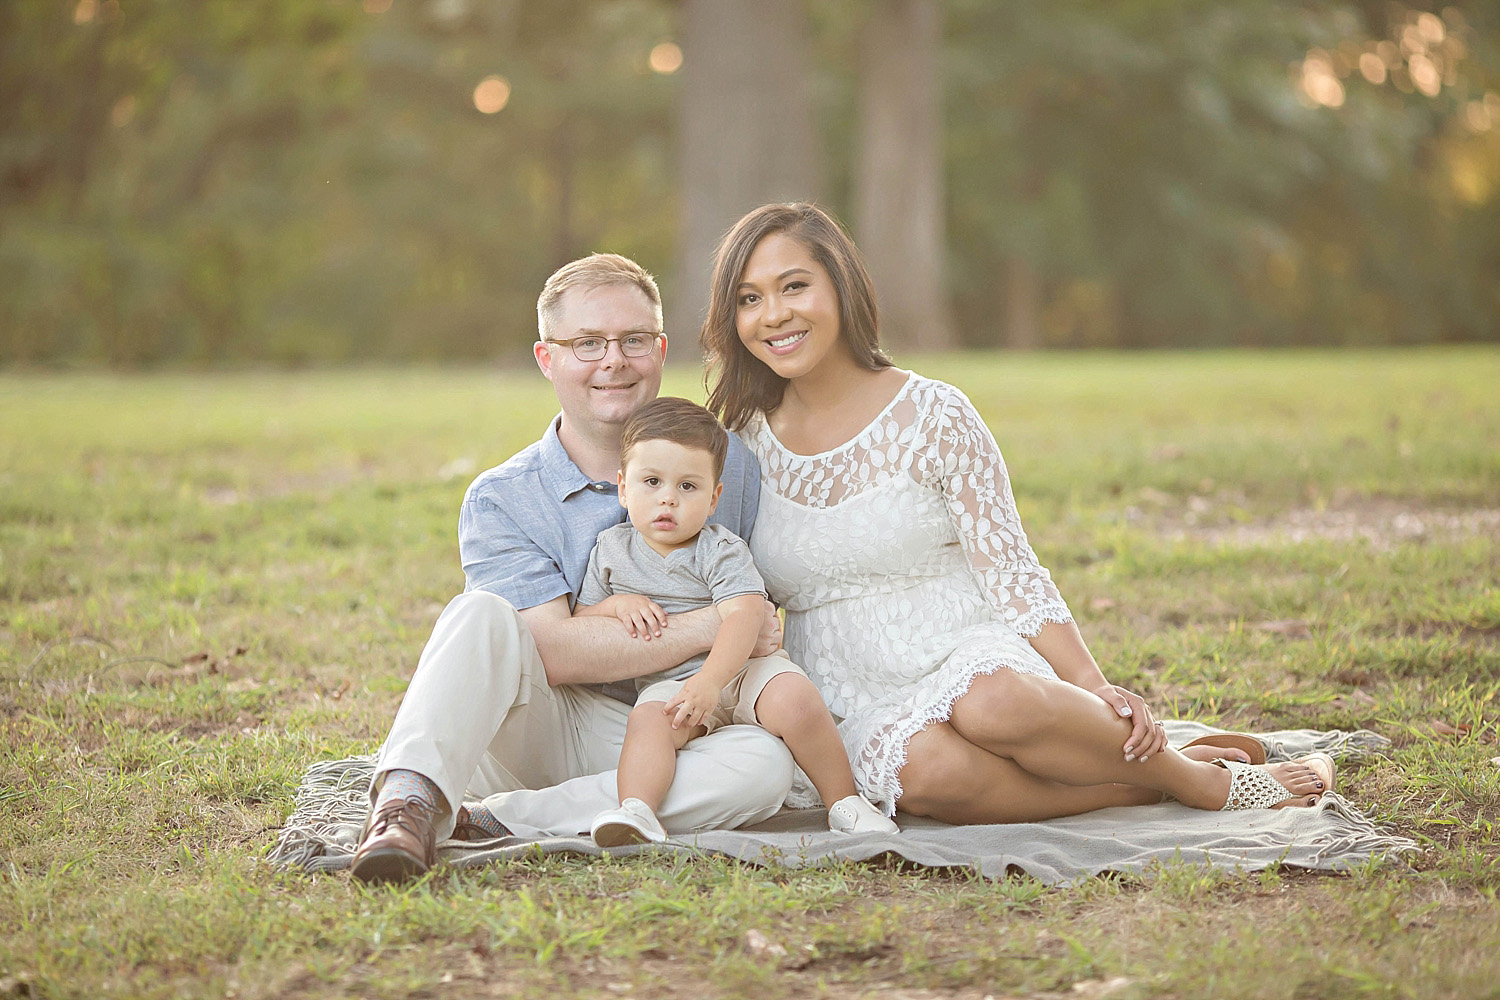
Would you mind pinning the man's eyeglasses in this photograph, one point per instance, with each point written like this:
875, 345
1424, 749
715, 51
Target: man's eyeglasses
632, 345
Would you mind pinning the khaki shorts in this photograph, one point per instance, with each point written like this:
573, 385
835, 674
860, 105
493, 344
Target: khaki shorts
737, 700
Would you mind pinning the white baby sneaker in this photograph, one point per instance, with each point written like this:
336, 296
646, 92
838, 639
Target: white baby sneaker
632, 823
854, 814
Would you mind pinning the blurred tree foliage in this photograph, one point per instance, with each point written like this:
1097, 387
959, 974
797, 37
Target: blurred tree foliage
310, 180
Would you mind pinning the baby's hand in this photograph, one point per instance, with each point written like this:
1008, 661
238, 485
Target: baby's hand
642, 616
691, 705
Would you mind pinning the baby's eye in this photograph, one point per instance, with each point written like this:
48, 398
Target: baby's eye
651, 481
688, 487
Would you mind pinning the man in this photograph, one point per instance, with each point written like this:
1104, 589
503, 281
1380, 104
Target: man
511, 700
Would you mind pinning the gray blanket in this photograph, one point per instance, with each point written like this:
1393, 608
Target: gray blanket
324, 828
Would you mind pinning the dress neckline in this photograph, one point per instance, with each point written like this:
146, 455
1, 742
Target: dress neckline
911, 377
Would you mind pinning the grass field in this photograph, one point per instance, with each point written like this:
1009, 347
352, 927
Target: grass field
209, 581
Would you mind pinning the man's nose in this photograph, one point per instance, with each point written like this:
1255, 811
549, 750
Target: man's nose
614, 355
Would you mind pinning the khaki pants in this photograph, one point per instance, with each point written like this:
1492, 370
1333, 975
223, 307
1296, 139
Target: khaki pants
479, 718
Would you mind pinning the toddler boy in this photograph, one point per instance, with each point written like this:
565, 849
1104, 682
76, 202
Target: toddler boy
665, 560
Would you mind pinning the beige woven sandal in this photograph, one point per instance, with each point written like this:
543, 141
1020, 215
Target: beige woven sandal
1254, 748
1253, 787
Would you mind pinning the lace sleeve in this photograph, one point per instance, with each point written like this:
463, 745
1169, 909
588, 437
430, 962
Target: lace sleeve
970, 472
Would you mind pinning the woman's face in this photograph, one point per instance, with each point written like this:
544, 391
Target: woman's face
786, 308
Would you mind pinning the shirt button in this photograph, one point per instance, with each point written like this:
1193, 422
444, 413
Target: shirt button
600, 487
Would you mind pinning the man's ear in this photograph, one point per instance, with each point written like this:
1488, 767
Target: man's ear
620, 483
718, 492
543, 355
664, 348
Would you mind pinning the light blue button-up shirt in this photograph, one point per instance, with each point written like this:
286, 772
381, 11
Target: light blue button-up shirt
527, 526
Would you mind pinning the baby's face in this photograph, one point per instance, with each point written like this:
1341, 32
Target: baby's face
669, 491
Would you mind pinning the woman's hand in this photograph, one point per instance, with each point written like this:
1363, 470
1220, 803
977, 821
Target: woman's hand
1147, 736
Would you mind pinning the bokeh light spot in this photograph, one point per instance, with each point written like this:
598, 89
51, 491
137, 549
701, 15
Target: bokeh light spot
1319, 82
123, 111
1372, 68
377, 6
665, 58
85, 11
492, 94
1424, 73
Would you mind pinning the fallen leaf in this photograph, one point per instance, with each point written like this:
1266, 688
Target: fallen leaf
195, 658
1441, 728
1495, 761
758, 945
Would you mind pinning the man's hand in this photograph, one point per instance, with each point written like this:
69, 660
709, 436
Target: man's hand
642, 616
769, 640
1147, 736
692, 704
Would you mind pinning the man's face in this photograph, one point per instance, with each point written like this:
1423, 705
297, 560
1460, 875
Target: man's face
597, 397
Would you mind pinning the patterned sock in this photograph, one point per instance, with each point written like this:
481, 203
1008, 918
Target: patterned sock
486, 821
401, 784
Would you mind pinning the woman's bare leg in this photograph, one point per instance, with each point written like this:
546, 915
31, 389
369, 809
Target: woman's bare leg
1068, 735
949, 778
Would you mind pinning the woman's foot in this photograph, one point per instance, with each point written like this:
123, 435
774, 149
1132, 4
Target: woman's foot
1210, 754
1299, 782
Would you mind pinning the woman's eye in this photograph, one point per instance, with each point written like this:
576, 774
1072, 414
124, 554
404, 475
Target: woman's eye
749, 300
796, 286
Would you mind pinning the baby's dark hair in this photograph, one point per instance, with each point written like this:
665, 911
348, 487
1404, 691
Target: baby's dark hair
681, 421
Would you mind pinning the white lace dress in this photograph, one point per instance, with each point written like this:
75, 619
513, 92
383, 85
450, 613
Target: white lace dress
904, 571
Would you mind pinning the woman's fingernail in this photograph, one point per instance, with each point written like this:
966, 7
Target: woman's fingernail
1125, 710
1130, 756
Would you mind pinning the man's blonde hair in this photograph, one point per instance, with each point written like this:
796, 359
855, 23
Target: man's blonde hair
594, 271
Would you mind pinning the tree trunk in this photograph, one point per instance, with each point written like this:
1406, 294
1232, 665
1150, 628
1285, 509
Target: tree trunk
898, 173
1023, 305
745, 132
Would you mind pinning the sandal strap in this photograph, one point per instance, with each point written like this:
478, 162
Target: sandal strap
1252, 787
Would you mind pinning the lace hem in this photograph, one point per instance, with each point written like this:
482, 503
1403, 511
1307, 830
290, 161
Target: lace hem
878, 762
1030, 624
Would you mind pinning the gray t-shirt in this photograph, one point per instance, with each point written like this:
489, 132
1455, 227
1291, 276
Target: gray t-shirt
716, 567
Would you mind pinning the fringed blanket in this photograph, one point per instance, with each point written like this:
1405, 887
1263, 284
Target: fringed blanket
324, 828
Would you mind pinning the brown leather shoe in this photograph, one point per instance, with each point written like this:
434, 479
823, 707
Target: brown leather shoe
398, 843
466, 829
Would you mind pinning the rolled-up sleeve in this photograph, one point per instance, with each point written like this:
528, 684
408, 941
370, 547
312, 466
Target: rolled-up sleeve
500, 558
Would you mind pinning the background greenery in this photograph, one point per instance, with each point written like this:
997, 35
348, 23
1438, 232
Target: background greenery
217, 181
210, 581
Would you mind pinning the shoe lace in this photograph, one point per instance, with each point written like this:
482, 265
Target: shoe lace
404, 814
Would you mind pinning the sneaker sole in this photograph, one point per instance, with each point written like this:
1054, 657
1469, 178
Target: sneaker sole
619, 835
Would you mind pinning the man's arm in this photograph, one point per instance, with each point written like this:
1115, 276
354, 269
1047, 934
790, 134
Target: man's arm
595, 650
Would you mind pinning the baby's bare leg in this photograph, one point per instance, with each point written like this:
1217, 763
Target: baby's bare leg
648, 760
791, 708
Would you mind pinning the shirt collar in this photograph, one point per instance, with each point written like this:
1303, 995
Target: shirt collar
561, 474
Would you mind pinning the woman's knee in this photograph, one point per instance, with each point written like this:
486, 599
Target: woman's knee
1000, 707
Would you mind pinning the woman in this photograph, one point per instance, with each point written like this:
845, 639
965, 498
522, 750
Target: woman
888, 531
